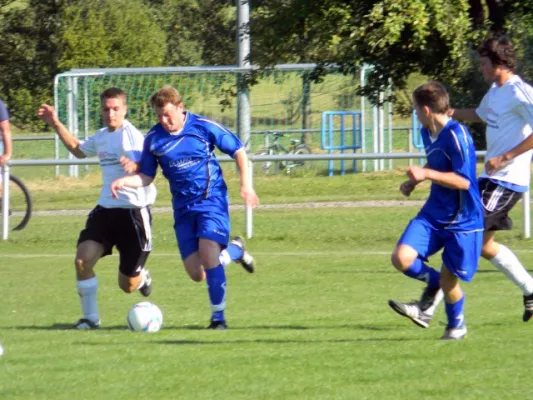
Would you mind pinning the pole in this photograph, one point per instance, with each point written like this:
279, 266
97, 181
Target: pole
5, 201
243, 97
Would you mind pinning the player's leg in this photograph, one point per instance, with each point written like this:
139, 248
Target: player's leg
454, 298
497, 202
93, 243
133, 238
460, 261
213, 228
87, 255
418, 242
185, 230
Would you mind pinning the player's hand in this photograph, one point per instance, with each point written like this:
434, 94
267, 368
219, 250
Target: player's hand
48, 114
416, 173
407, 187
129, 166
3, 160
116, 185
249, 196
495, 163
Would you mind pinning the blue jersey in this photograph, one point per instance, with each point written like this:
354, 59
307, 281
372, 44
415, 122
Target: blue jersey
187, 158
453, 151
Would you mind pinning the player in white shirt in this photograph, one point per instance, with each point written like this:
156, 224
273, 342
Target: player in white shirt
124, 222
507, 110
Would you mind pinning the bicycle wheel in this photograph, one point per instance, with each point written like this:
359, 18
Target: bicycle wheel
300, 166
267, 167
20, 204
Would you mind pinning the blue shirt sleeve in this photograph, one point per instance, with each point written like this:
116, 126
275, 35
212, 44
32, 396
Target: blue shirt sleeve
148, 163
459, 146
4, 114
223, 138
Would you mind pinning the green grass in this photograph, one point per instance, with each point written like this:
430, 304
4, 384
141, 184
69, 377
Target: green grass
50, 193
311, 323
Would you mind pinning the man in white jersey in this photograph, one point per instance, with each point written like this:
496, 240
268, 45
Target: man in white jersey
507, 109
125, 221
5, 142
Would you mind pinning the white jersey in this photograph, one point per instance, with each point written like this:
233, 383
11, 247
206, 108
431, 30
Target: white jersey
508, 112
109, 147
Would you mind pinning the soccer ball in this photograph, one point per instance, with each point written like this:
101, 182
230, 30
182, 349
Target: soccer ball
145, 317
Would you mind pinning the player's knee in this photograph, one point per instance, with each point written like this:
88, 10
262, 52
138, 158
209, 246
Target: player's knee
83, 267
197, 276
489, 250
401, 260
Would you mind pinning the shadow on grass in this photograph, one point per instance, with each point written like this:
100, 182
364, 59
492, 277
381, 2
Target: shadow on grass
257, 341
63, 327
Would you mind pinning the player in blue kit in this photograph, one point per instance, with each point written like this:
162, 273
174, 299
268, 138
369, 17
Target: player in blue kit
183, 145
452, 217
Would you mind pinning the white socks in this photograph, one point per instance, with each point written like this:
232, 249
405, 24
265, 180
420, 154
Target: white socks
438, 298
508, 263
87, 290
224, 258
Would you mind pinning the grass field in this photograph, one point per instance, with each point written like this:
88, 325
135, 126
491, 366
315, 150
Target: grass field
311, 323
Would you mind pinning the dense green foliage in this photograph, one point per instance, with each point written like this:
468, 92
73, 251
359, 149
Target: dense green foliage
430, 38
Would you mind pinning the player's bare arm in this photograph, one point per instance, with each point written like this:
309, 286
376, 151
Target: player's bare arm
247, 191
5, 128
48, 114
500, 161
447, 179
464, 114
133, 181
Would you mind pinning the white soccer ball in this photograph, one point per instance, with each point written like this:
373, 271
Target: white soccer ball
145, 317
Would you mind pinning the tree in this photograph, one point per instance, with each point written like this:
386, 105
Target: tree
110, 33
397, 37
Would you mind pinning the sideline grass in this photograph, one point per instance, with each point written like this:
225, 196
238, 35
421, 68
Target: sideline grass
312, 323
71, 193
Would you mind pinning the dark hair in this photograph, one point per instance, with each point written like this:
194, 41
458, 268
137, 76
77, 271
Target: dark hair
165, 95
433, 95
113, 93
500, 51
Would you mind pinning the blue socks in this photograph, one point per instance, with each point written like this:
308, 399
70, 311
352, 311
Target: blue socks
420, 271
229, 254
216, 286
234, 251
455, 313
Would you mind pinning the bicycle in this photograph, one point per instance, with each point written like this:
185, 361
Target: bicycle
295, 147
20, 204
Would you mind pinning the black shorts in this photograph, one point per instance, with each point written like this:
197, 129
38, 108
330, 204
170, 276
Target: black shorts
129, 229
497, 202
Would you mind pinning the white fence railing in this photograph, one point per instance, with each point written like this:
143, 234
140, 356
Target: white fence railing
253, 158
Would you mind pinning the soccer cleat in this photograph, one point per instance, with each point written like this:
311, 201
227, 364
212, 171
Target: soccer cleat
412, 311
218, 325
454, 333
428, 297
86, 324
146, 289
528, 308
247, 261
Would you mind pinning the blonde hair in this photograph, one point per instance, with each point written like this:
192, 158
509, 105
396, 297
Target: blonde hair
165, 95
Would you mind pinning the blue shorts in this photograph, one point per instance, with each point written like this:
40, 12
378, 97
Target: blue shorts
206, 219
461, 249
